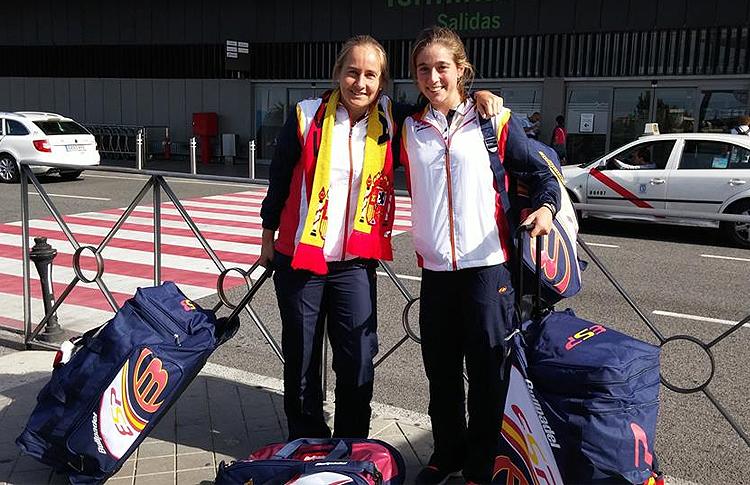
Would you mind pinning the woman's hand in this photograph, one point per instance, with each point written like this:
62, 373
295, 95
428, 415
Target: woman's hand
487, 104
266, 248
542, 221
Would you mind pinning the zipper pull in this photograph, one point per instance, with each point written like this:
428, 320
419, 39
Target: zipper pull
177, 340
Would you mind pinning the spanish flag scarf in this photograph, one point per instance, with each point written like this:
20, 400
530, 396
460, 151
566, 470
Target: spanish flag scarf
370, 236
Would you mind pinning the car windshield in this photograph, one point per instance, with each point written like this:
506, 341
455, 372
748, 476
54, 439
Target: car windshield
52, 127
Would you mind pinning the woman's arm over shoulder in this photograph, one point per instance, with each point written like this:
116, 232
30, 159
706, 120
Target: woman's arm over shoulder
286, 156
528, 160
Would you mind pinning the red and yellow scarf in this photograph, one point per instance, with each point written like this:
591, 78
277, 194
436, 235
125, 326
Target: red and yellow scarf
373, 220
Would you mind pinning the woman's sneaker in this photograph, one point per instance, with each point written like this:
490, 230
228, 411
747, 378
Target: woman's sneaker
432, 475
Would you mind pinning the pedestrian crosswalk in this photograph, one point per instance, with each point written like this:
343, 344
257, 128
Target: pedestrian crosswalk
230, 223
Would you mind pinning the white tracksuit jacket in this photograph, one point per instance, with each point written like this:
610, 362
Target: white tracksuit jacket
457, 216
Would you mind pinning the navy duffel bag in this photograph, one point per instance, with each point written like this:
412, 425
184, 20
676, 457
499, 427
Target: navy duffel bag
121, 379
601, 391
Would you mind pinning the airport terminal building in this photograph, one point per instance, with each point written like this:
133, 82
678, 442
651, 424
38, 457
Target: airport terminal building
608, 66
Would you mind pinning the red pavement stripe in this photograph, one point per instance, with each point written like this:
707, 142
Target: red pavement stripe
6, 322
619, 189
170, 231
80, 295
171, 249
223, 210
138, 270
197, 220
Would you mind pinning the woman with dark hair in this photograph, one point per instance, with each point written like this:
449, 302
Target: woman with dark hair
462, 240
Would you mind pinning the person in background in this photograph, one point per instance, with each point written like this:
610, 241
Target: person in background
462, 239
743, 126
331, 199
532, 125
641, 161
560, 139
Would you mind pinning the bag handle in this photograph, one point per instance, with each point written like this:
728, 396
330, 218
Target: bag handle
253, 289
518, 270
339, 451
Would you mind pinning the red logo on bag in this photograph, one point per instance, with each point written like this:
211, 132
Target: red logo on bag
583, 335
149, 382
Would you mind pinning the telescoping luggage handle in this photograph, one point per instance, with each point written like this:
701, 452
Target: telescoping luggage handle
252, 291
518, 269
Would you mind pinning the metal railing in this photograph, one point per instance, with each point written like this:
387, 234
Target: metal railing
119, 142
155, 183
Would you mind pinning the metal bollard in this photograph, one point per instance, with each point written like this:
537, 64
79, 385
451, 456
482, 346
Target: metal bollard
251, 159
139, 150
42, 255
193, 156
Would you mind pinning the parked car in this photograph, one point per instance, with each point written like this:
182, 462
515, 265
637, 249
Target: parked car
696, 172
44, 137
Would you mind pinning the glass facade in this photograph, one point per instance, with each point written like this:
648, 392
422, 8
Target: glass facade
720, 109
630, 112
675, 110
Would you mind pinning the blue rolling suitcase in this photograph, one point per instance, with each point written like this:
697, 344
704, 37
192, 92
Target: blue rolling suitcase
599, 391
121, 379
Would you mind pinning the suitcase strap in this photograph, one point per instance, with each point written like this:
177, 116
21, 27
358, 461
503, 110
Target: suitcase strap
340, 451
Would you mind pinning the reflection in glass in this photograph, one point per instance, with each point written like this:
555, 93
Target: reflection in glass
675, 110
630, 110
720, 110
270, 113
584, 148
405, 93
523, 101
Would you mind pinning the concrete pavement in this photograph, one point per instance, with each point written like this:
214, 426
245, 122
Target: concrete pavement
224, 415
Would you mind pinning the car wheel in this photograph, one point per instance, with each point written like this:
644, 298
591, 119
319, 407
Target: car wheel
70, 175
8, 169
738, 232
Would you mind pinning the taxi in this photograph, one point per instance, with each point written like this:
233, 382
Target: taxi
686, 172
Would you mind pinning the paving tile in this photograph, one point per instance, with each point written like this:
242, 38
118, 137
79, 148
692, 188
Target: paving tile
158, 448
420, 439
120, 481
195, 460
126, 471
230, 440
30, 477
203, 476
154, 465
26, 463
266, 437
258, 407
156, 479
227, 458
8, 451
5, 469
20, 407
195, 436
183, 449
59, 479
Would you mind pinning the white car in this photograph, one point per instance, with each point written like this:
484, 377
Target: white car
41, 138
694, 172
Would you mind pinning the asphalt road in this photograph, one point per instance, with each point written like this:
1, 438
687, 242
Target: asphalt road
666, 270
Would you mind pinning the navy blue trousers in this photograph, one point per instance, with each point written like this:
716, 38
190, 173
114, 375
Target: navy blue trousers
465, 315
345, 297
